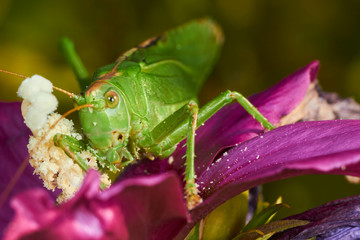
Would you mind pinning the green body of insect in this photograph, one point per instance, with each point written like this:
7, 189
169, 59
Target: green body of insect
145, 103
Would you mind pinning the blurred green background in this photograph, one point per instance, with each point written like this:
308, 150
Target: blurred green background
265, 41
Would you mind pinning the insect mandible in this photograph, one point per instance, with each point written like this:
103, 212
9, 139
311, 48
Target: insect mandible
146, 102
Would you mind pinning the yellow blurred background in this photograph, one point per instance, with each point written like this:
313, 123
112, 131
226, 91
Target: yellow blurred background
265, 41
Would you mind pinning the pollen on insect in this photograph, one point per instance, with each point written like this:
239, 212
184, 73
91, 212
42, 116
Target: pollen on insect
55, 168
225, 154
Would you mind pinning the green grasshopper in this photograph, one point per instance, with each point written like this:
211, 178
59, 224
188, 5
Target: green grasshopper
146, 102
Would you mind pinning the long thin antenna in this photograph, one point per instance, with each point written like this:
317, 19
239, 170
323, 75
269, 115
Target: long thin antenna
72, 95
68, 113
12, 73
5, 194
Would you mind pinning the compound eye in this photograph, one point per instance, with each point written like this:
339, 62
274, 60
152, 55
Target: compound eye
112, 99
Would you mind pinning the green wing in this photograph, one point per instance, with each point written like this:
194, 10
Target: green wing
175, 64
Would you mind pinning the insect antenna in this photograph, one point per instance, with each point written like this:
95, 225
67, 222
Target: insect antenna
77, 108
12, 73
4, 195
72, 95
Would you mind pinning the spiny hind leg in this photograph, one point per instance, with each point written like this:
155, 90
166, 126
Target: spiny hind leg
226, 98
165, 136
198, 117
181, 124
251, 109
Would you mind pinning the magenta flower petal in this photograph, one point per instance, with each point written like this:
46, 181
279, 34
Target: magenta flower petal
323, 147
14, 137
339, 219
143, 208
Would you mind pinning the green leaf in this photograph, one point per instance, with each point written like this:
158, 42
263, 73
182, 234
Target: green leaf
266, 231
264, 216
194, 233
226, 220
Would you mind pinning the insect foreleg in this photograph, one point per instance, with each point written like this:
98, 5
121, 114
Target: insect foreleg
72, 147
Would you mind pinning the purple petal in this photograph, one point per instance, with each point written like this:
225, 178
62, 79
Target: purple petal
140, 208
339, 219
14, 137
327, 147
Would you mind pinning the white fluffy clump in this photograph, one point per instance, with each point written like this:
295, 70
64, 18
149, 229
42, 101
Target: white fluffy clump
50, 162
38, 99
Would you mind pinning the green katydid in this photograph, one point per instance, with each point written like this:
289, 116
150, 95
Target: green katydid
145, 103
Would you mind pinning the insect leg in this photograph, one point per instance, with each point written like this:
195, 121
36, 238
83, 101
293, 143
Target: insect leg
197, 117
187, 129
71, 147
178, 133
191, 191
68, 50
226, 98
252, 110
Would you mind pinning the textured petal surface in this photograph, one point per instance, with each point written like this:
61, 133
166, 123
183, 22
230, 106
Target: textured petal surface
338, 219
325, 147
143, 208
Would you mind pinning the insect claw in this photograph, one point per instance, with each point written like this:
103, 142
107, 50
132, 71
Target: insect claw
192, 198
